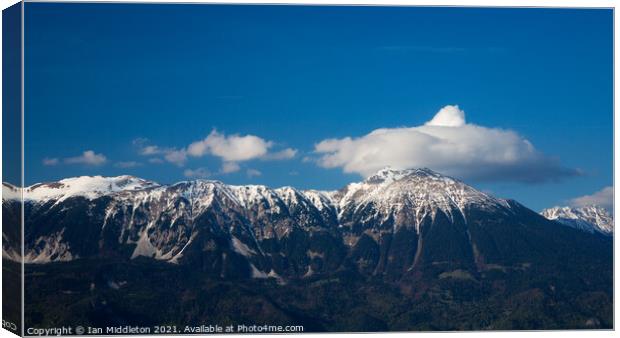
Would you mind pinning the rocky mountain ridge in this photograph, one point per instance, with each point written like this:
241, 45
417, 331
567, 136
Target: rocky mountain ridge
393, 223
590, 218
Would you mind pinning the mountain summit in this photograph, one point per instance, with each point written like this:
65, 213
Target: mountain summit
407, 197
590, 218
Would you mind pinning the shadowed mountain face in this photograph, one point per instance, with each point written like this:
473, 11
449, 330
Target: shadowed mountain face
419, 237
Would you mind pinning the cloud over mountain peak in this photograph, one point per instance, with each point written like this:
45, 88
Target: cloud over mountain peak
448, 144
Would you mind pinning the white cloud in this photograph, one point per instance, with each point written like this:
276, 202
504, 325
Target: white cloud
88, 157
128, 164
232, 148
50, 161
140, 141
230, 167
446, 144
253, 173
448, 116
197, 173
151, 150
172, 155
603, 198
177, 157
285, 154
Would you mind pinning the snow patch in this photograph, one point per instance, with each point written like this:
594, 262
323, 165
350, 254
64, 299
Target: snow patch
589, 218
90, 187
257, 273
241, 248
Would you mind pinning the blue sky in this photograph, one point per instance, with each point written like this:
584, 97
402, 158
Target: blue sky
253, 94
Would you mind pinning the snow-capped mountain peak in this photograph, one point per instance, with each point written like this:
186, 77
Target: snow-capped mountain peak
86, 186
165, 221
421, 191
420, 185
394, 195
590, 218
10, 192
388, 175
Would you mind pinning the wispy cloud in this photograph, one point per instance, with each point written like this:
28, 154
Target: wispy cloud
151, 150
230, 167
253, 173
176, 156
51, 161
603, 198
197, 173
88, 157
127, 164
285, 154
172, 155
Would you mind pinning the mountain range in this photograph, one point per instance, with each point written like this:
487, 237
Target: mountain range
429, 238
591, 218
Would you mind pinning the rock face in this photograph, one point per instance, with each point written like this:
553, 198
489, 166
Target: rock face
394, 224
590, 218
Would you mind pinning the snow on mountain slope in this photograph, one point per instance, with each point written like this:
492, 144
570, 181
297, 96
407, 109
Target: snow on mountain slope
590, 218
89, 187
10, 192
250, 195
423, 186
401, 196
410, 194
166, 221
201, 194
321, 199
